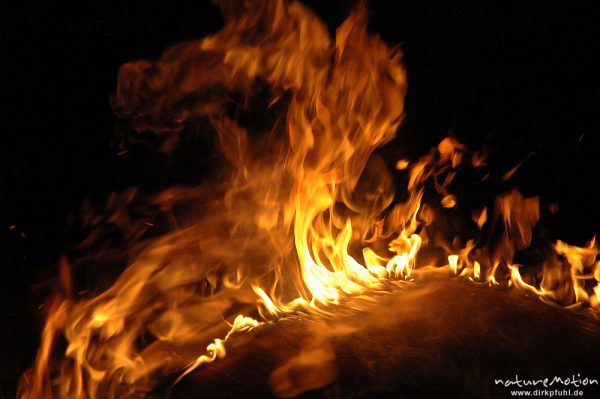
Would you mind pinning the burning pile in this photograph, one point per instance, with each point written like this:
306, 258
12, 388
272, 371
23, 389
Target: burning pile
306, 221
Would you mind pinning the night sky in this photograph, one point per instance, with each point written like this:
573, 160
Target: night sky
519, 75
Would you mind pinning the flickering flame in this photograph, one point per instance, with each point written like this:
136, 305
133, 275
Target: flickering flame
306, 221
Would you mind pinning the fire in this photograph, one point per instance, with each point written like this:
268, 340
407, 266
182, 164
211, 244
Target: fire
305, 221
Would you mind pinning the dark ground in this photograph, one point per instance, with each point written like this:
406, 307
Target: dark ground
520, 75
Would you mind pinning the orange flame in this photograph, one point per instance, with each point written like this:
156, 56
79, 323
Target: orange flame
304, 223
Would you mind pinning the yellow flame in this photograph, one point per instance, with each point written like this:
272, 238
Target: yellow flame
306, 219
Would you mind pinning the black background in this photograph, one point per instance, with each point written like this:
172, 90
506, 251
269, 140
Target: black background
519, 74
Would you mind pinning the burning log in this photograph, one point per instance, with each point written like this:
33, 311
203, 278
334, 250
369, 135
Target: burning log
441, 339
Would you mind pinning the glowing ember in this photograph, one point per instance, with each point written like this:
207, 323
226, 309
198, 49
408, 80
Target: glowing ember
306, 221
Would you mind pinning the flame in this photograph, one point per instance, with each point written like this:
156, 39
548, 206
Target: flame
305, 221
480, 217
314, 367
